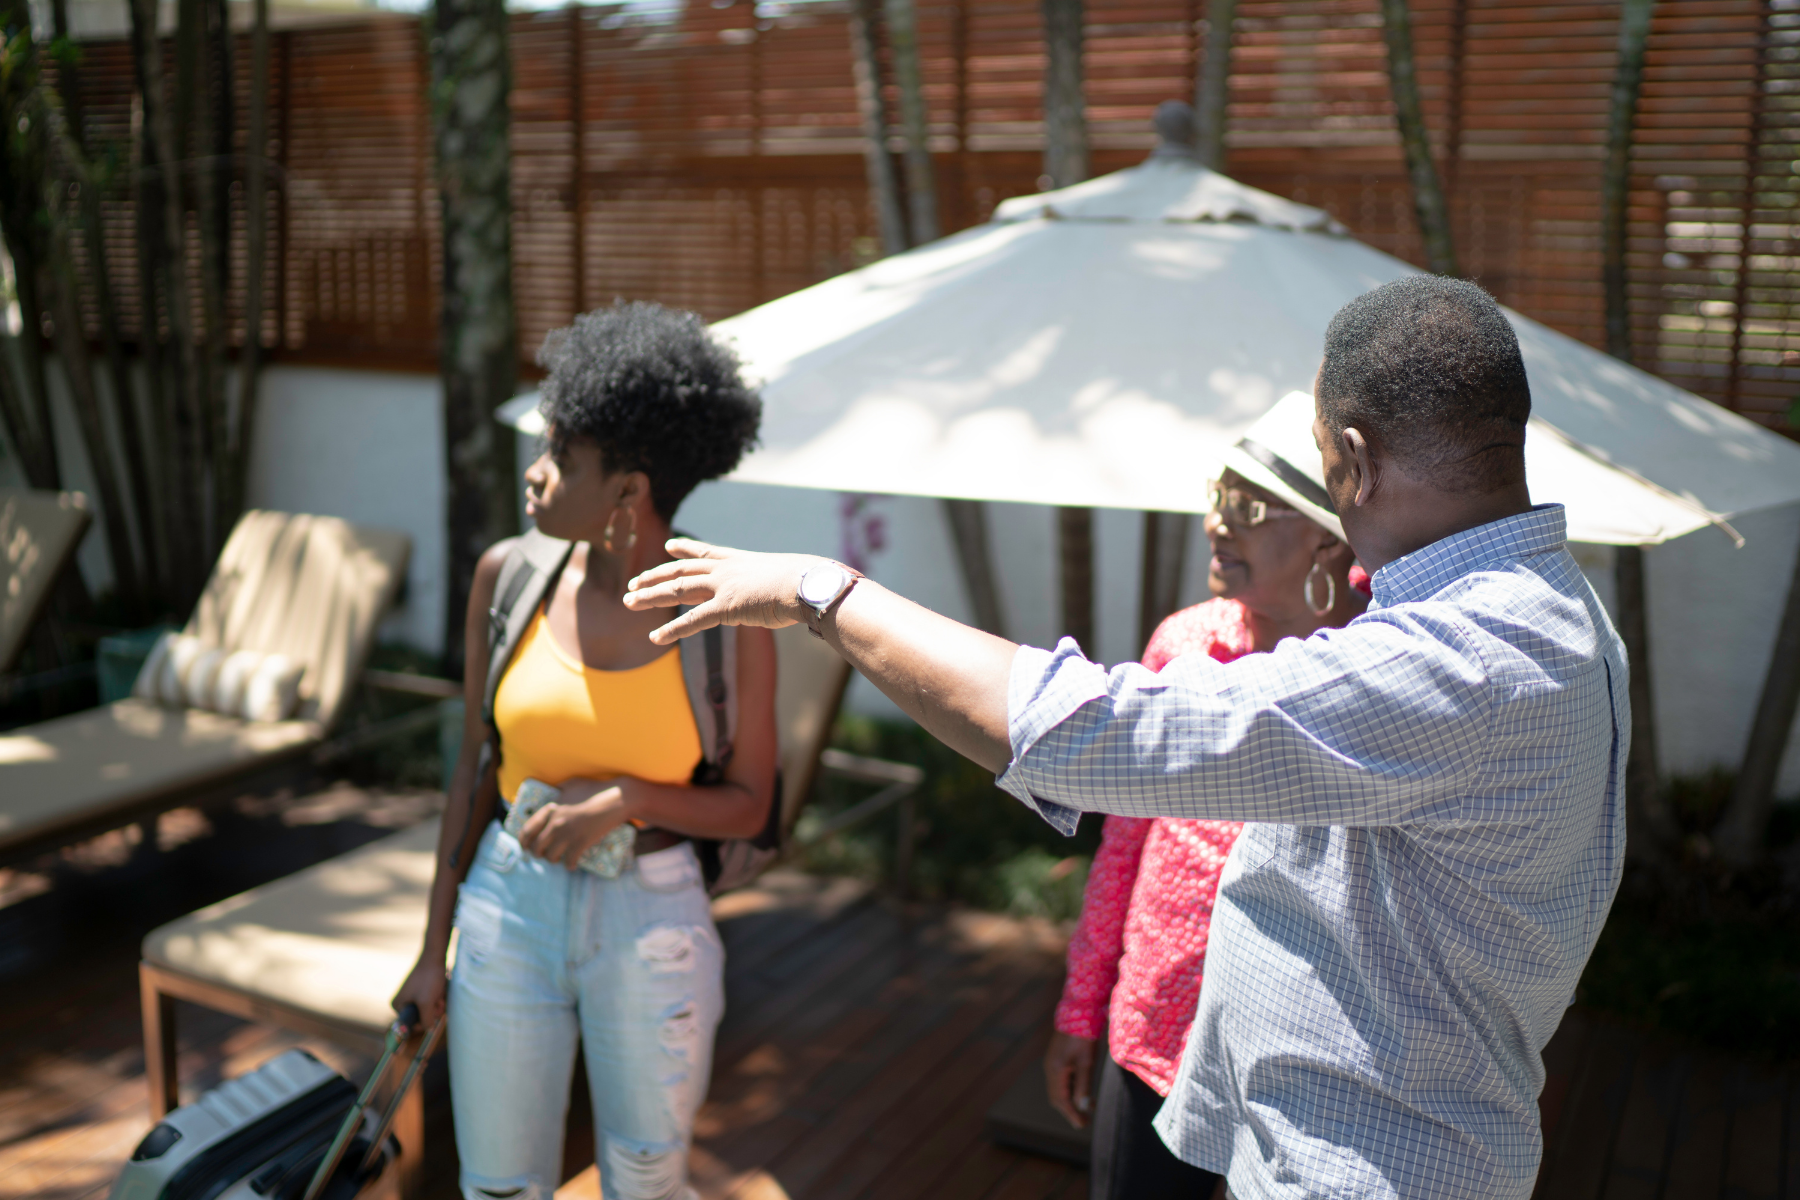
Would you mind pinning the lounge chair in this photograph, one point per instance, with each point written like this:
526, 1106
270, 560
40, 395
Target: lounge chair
321, 951
311, 588
38, 535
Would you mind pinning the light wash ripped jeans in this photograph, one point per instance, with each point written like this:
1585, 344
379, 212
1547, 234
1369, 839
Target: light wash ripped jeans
633, 965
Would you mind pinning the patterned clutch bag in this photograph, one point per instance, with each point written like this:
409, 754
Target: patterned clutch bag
609, 858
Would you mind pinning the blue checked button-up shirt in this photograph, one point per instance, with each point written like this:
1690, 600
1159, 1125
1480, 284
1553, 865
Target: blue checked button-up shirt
1438, 812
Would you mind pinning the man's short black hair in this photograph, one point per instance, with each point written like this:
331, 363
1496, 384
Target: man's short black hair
655, 391
1429, 368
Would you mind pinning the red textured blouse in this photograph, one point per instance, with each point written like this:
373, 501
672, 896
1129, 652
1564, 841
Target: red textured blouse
1141, 939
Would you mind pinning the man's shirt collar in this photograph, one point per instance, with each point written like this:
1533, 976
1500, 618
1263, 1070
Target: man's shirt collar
1426, 571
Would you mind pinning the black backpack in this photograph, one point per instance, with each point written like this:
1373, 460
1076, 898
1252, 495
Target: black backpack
533, 564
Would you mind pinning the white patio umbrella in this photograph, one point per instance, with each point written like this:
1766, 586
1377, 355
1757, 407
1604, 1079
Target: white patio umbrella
1099, 345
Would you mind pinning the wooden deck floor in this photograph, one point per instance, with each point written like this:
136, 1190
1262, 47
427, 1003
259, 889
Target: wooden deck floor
863, 1044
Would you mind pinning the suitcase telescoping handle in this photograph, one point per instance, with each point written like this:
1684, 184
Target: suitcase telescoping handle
398, 1034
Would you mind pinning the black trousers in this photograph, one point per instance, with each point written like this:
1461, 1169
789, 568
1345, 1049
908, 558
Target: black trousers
1129, 1160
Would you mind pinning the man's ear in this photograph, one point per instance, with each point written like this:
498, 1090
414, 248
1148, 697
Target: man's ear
1363, 472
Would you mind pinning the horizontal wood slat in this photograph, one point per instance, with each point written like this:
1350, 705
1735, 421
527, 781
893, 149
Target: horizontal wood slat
709, 156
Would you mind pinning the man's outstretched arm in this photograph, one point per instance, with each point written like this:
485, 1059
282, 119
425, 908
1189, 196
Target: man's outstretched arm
949, 678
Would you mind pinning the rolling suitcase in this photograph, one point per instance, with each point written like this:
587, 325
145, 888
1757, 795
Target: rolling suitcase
293, 1129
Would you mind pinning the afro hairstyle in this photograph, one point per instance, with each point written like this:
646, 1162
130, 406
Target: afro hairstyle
655, 391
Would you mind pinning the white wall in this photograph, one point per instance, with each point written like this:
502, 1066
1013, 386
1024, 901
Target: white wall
366, 446
1713, 614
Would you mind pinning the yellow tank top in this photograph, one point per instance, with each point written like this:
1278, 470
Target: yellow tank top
560, 719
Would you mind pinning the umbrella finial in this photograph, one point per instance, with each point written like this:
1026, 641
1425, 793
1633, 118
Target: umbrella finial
1175, 135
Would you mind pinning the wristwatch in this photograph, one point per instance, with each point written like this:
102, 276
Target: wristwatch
823, 585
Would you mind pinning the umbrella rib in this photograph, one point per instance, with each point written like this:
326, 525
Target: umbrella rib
1600, 456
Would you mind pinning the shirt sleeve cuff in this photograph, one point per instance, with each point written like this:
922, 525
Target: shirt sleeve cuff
1045, 688
1080, 1019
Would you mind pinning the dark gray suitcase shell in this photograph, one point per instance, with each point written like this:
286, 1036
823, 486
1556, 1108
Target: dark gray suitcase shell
257, 1137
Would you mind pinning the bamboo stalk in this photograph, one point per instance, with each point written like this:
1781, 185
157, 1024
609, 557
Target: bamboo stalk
1615, 173
921, 187
136, 451
974, 555
1075, 542
256, 238
210, 114
1165, 559
22, 171
185, 410
478, 350
1740, 836
72, 350
1415, 142
871, 103
1065, 109
1211, 96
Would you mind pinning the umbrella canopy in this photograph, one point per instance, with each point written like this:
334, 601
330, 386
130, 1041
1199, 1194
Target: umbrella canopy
1101, 344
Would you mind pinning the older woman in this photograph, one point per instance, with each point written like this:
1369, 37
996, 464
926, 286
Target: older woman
1280, 568
640, 405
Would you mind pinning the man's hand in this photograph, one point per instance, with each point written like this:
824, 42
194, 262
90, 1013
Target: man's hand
1069, 1077
725, 586
564, 831
949, 678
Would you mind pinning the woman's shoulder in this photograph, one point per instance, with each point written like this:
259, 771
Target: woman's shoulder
1215, 627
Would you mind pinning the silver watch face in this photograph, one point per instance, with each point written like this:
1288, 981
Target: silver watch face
821, 583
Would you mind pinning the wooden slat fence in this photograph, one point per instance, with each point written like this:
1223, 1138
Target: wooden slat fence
707, 154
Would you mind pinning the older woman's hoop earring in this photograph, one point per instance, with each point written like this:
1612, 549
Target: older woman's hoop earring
1307, 590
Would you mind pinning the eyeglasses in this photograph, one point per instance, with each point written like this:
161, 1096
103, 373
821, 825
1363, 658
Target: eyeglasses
1241, 508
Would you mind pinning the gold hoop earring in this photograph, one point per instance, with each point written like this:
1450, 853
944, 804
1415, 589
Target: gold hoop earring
606, 536
1308, 589
630, 530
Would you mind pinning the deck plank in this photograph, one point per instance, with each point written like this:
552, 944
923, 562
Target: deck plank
1641, 1151
870, 1128
1697, 1143
862, 1046
1590, 1122
1753, 1153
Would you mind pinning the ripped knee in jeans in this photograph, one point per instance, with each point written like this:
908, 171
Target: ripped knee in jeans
644, 1170
521, 1188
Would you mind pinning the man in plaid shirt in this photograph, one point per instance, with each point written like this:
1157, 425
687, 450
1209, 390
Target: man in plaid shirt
1435, 791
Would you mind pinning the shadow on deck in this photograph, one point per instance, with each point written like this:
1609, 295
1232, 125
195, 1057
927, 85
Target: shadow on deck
863, 1044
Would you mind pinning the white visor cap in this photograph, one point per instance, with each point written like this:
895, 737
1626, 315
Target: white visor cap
1278, 454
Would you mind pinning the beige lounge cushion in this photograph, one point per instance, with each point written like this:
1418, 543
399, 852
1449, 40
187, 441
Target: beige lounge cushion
60, 771
38, 534
334, 940
307, 587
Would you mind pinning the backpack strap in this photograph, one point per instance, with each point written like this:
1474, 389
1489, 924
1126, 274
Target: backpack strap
532, 565
709, 668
